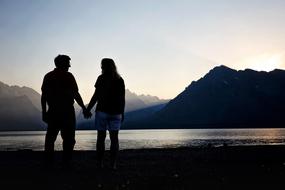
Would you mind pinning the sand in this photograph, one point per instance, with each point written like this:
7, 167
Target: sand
239, 167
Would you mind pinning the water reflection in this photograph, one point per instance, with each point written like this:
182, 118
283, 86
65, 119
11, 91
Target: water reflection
135, 139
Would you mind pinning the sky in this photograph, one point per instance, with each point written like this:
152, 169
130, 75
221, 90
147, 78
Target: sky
159, 46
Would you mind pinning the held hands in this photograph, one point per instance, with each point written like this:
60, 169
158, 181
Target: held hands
87, 113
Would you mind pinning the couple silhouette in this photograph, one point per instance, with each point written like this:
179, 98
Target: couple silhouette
59, 90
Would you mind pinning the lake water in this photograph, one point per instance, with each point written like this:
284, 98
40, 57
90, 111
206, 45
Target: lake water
136, 139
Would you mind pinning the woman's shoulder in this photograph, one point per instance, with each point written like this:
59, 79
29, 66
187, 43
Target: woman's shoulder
99, 80
100, 77
105, 78
121, 80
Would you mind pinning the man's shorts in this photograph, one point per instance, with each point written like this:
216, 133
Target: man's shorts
105, 121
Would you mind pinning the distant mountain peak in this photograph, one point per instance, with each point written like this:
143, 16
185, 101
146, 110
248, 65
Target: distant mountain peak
278, 70
2, 84
15, 91
219, 72
222, 68
143, 96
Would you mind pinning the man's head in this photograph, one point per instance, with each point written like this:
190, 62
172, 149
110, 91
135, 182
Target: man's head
62, 62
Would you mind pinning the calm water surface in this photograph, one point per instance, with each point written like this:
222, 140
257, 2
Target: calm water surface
136, 139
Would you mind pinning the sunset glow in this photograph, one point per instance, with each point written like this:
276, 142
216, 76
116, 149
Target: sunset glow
264, 62
159, 46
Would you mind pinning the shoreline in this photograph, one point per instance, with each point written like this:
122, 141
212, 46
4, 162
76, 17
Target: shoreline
170, 147
229, 167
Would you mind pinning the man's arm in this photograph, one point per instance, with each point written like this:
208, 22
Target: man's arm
79, 100
92, 101
44, 100
44, 107
77, 96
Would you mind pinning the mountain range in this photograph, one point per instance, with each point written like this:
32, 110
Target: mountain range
133, 109
20, 107
225, 98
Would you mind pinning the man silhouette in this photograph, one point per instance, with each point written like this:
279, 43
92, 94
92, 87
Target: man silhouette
59, 90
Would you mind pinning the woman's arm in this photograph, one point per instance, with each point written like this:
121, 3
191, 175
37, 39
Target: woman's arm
92, 101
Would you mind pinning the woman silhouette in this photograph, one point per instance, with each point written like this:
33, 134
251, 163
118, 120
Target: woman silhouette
110, 97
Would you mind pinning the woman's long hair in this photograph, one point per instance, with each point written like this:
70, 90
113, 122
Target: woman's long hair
109, 68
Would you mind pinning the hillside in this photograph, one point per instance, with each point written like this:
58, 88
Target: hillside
20, 108
137, 107
18, 113
227, 98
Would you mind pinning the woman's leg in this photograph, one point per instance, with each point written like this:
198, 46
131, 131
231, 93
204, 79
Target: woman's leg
114, 149
100, 146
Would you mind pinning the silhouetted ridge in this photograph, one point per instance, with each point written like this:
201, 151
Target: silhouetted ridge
137, 107
136, 102
14, 91
225, 97
220, 72
19, 108
221, 69
18, 113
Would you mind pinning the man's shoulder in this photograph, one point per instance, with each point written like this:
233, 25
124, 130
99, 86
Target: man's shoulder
56, 75
69, 74
49, 74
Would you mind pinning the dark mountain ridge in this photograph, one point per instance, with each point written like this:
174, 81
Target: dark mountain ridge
228, 98
18, 113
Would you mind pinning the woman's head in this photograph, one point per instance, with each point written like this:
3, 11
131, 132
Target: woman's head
109, 68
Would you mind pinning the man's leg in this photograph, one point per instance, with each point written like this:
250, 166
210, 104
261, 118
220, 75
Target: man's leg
50, 138
68, 140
